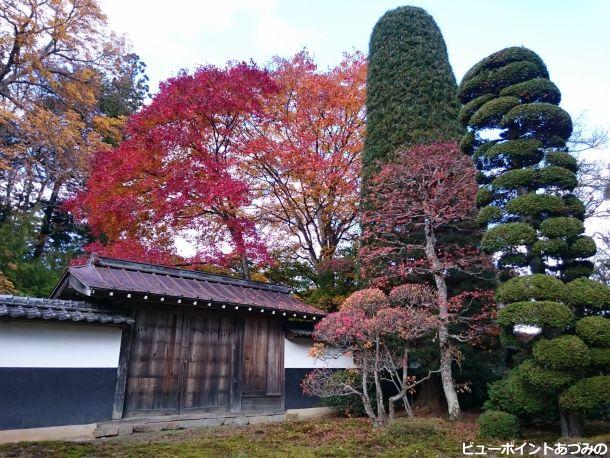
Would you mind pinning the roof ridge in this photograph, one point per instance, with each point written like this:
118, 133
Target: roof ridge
102, 261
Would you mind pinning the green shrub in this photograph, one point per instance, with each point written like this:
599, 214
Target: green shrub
352, 405
594, 330
600, 357
574, 206
534, 90
588, 396
565, 160
522, 152
484, 197
492, 112
545, 119
577, 269
537, 287
513, 260
583, 247
551, 247
561, 226
508, 235
467, 143
494, 424
536, 313
404, 430
489, 214
471, 107
558, 177
549, 380
563, 352
535, 204
514, 179
511, 394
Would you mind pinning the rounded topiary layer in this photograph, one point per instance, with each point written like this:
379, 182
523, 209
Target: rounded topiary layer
492, 112
547, 120
564, 352
536, 313
594, 330
561, 226
534, 90
583, 247
588, 396
489, 214
494, 424
522, 152
508, 235
535, 205
512, 394
537, 287
545, 379
565, 160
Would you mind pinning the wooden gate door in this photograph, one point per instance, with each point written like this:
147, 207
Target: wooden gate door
263, 364
155, 363
208, 374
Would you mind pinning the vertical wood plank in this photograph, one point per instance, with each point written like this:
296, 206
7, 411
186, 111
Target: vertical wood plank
122, 370
237, 360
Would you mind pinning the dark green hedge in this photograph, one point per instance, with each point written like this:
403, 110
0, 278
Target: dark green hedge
563, 352
494, 424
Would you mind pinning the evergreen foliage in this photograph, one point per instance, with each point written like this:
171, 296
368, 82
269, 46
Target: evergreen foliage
517, 136
494, 424
410, 86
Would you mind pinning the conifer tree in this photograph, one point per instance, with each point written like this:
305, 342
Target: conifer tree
517, 136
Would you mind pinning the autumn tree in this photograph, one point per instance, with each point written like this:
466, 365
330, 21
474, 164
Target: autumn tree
379, 332
438, 183
54, 57
178, 172
518, 137
305, 156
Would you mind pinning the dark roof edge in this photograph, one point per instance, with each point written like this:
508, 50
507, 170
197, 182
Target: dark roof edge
184, 273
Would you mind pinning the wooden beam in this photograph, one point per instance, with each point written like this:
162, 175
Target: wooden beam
121, 375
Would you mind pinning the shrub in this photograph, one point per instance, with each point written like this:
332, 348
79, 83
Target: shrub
552, 247
514, 179
561, 226
583, 247
508, 235
600, 357
577, 269
558, 177
492, 112
412, 430
574, 206
549, 380
535, 204
547, 120
594, 330
484, 197
564, 352
534, 90
489, 214
536, 313
471, 107
588, 396
512, 395
538, 287
522, 152
565, 160
494, 424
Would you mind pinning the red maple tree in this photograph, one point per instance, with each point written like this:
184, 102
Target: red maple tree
178, 172
426, 190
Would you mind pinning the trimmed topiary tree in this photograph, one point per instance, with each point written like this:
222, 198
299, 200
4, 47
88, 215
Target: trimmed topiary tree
495, 424
410, 86
517, 136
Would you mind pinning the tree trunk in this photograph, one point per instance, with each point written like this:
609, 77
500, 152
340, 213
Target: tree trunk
402, 393
366, 400
430, 398
453, 404
382, 417
47, 221
571, 425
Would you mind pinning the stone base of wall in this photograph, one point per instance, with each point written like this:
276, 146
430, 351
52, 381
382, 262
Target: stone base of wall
174, 422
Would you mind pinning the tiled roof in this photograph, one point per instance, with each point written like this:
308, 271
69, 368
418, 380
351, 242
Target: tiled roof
54, 309
105, 275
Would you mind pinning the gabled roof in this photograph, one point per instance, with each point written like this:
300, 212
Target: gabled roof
104, 277
35, 308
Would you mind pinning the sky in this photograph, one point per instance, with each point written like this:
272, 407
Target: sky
571, 36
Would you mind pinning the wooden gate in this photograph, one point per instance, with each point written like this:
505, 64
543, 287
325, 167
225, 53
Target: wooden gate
181, 361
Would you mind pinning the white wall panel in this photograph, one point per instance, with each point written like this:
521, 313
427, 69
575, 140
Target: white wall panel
36, 344
296, 356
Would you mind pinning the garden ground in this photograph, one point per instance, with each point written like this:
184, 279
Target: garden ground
342, 437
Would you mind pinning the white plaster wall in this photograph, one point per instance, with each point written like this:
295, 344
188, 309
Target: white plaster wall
35, 344
296, 356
